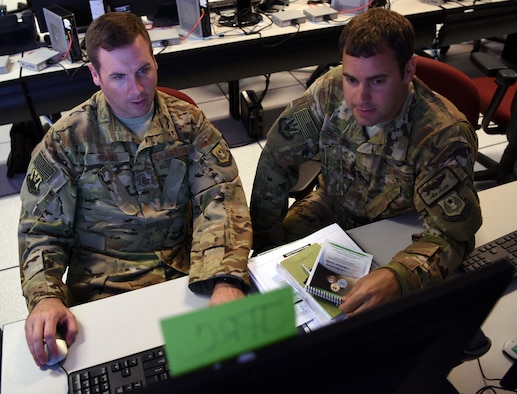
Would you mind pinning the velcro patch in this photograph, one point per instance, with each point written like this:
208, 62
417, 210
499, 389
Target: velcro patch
106, 158
42, 171
452, 205
305, 122
180, 151
222, 155
439, 185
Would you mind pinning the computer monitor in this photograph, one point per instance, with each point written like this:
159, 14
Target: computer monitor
408, 346
166, 15
80, 9
244, 15
138, 7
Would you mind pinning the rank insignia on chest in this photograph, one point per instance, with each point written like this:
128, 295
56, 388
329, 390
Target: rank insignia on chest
222, 155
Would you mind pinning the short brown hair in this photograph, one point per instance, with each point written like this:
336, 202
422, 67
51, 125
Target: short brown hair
370, 33
113, 30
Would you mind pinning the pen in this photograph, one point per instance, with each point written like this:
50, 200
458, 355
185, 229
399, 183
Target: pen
307, 270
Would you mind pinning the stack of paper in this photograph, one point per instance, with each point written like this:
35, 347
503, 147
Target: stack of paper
266, 274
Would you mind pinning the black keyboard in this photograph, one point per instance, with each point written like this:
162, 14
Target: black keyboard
124, 375
504, 247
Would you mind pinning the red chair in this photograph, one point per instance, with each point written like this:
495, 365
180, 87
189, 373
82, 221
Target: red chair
498, 93
176, 93
490, 96
463, 92
440, 77
452, 84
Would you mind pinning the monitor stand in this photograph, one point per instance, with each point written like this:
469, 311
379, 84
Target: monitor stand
244, 16
167, 14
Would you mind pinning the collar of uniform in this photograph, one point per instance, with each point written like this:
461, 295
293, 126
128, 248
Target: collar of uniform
162, 126
393, 140
109, 126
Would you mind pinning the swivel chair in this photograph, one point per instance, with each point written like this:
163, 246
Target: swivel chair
164, 89
498, 98
176, 93
440, 77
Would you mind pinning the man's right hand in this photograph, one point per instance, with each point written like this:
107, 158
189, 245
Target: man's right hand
48, 317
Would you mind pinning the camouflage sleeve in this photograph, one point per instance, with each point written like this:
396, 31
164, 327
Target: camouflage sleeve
292, 140
222, 233
447, 199
45, 228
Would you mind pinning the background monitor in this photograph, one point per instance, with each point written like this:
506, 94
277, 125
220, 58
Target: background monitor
244, 15
138, 7
408, 346
166, 15
80, 8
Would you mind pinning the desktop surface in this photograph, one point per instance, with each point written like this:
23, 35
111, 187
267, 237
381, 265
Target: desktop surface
100, 340
408, 346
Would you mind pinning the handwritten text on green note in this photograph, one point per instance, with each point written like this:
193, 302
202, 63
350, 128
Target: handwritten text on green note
213, 334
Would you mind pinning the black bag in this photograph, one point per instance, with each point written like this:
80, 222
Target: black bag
24, 137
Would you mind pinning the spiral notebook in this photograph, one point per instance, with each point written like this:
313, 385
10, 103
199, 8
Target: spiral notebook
296, 269
336, 270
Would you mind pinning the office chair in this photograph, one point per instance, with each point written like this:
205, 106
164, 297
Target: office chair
498, 98
452, 84
176, 93
440, 77
169, 91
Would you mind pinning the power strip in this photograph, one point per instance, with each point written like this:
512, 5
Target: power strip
288, 18
4, 64
320, 14
39, 59
164, 36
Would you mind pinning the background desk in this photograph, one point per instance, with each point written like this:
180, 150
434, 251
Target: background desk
197, 62
128, 323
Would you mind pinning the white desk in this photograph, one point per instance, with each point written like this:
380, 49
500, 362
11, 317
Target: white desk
128, 323
109, 329
499, 218
232, 54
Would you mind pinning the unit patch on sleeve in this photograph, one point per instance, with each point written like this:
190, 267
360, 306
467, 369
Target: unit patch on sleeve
438, 186
222, 155
42, 171
452, 205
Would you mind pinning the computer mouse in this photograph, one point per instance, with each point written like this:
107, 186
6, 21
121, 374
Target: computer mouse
510, 347
63, 352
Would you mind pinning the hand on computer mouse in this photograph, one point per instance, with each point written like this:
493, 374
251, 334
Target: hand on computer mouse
62, 352
48, 320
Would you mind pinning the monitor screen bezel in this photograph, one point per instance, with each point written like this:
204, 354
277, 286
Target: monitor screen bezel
406, 346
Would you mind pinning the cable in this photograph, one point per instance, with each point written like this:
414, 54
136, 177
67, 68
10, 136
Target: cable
285, 39
263, 94
489, 387
195, 25
65, 55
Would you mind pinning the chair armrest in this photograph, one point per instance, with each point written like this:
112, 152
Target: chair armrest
506, 76
486, 63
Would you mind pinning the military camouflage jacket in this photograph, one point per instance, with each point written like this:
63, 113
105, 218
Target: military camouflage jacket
115, 210
422, 160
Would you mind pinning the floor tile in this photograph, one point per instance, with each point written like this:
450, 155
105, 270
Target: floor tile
13, 307
10, 208
247, 158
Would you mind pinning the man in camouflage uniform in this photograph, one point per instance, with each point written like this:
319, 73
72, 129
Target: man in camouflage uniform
132, 188
388, 146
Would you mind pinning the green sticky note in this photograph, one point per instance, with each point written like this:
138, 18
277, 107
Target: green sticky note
206, 336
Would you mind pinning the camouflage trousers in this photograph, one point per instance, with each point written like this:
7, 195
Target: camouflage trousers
311, 214
110, 285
